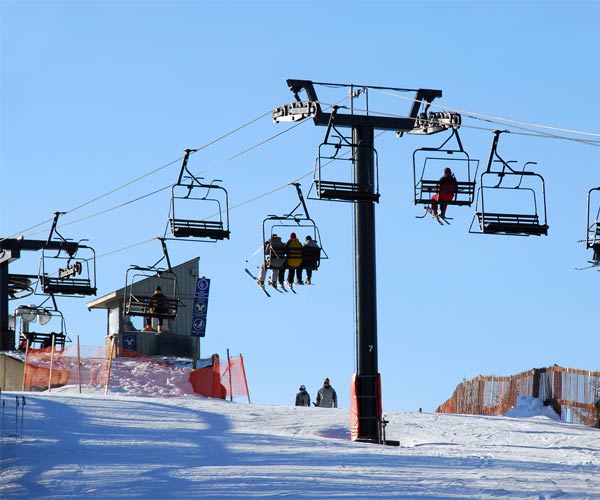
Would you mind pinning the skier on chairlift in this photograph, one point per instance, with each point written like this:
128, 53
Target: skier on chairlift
274, 260
446, 190
158, 305
310, 258
294, 260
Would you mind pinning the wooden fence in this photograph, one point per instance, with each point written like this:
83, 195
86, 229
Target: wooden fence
574, 394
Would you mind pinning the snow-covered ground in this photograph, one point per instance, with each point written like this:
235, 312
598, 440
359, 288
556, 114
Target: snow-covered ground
149, 446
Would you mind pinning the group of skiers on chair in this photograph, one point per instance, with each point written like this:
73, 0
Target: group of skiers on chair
292, 256
446, 190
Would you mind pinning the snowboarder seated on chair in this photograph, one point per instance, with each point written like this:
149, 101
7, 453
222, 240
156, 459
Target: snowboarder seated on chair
446, 190
158, 306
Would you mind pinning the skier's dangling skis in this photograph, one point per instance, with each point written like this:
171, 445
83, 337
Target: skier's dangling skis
262, 287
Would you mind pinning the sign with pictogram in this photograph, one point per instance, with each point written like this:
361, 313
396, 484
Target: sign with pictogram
200, 307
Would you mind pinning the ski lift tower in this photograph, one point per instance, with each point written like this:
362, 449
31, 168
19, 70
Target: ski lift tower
363, 126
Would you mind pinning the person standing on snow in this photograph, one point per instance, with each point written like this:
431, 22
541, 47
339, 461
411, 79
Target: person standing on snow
303, 397
326, 396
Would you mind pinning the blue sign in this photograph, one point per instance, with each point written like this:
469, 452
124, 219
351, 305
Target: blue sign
200, 307
130, 341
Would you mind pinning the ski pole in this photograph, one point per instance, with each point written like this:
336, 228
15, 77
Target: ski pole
22, 410
17, 417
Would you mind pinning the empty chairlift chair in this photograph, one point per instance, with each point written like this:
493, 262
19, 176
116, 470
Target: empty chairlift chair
198, 210
338, 149
521, 190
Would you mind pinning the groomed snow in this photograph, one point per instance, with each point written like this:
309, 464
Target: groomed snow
149, 446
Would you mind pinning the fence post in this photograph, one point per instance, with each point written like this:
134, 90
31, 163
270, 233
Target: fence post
25, 364
245, 379
230, 381
51, 365
78, 364
535, 384
112, 348
480, 397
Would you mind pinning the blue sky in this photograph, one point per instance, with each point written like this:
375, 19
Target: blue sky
96, 94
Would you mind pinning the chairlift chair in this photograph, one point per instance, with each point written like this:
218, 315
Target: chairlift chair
41, 315
431, 163
140, 284
338, 148
284, 225
593, 222
507, 185
198, 210
70, 270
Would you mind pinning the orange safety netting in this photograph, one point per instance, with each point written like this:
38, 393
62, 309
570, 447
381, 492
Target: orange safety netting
131, 372
44, 368
221, 379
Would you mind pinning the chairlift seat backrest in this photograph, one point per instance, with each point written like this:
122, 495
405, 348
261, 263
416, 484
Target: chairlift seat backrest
144, 305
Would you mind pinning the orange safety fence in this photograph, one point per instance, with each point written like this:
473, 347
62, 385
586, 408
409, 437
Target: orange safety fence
47, 368
221, 380
574, 394
133, 373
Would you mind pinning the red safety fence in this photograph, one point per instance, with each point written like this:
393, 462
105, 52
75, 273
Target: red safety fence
573, 394
221, 380
93, 367
49, 367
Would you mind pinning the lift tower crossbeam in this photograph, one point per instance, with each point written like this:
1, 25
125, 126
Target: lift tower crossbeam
363, 133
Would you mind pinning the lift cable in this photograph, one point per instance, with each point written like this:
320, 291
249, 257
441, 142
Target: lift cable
178, 160
243, 203
532, 133
152, 172
491, 117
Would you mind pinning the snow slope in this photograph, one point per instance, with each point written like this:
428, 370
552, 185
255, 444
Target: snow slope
120, 446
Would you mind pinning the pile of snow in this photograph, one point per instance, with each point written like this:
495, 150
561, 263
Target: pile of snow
528, 407
147, 377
